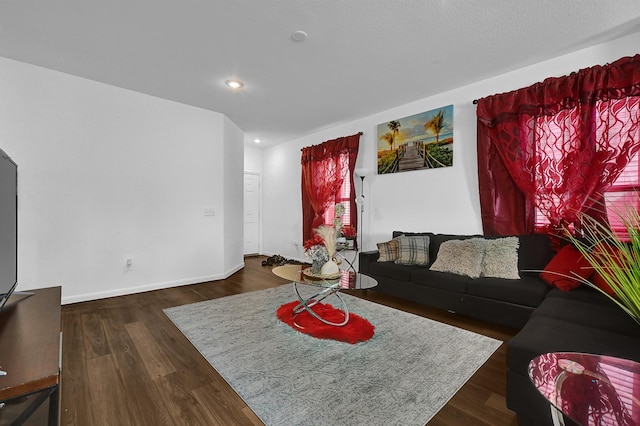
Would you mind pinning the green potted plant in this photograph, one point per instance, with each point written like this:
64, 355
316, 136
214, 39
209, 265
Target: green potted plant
615, 260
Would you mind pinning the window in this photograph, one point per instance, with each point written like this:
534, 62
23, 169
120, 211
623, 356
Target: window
622, 195
532, 150
327, 179
614, 119
343, 197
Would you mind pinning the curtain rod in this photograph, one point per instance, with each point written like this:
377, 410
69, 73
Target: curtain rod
359, 133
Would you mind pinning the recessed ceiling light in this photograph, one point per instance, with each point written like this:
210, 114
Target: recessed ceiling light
257, 140
234, 84
299, 36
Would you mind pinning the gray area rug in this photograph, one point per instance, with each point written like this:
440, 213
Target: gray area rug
402, 376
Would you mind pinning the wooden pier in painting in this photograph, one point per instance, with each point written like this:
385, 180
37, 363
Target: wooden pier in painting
411, 160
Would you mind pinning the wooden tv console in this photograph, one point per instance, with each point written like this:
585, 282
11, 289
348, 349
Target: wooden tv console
30, 352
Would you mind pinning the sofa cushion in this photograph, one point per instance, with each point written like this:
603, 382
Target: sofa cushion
437, 239
583, 293
413, 250
603, 317
411, 234
528, 291
501, 258
440, 280
534, 252
461, 257
388, 251
543, 334
562, 268
392, 270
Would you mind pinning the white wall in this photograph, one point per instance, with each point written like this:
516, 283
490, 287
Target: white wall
107, 174
281, 200
440, 200
252, 160
233, 197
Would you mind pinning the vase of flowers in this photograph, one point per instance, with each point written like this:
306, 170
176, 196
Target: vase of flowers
329, 235
316, 251
349, 233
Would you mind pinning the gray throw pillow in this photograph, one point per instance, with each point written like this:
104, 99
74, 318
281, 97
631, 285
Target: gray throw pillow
460, 257
501, 258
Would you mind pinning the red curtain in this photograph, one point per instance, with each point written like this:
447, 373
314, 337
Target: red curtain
324, 168
556, 145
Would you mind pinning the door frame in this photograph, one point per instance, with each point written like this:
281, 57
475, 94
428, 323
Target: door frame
259, 176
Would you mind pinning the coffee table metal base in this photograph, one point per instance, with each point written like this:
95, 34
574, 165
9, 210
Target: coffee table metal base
307, 303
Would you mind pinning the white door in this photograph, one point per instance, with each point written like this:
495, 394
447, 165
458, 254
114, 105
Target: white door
251, 213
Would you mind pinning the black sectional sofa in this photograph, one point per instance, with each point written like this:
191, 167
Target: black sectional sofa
548, 319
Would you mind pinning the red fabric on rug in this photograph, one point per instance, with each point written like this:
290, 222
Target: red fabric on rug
357, 329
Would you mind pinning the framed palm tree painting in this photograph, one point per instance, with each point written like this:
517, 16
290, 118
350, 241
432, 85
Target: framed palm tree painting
420, 141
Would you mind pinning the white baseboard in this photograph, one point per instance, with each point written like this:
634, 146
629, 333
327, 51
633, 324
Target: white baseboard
148, 287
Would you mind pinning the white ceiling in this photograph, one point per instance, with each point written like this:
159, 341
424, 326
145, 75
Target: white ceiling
361, 56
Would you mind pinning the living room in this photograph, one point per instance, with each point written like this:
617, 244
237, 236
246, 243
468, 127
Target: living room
84, 150
88, 152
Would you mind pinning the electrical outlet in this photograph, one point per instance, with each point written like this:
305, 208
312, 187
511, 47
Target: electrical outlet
209, 211
129, 264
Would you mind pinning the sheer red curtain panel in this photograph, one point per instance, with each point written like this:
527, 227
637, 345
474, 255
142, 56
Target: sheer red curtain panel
556, 146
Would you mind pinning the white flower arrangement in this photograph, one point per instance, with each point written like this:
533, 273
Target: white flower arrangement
329, 235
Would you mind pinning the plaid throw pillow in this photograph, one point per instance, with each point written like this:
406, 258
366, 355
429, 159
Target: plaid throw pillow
413, 250
388, 251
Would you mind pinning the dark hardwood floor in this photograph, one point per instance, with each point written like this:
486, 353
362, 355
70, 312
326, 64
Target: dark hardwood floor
124, 362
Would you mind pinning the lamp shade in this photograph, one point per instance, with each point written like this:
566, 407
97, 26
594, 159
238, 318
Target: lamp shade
362, 172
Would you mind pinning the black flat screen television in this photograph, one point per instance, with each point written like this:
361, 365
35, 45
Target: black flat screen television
8, 227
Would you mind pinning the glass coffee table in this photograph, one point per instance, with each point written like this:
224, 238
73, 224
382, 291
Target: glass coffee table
589, 389
322, 287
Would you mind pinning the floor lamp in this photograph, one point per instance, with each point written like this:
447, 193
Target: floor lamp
362, 173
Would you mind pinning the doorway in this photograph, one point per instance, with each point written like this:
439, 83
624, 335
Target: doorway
251, 213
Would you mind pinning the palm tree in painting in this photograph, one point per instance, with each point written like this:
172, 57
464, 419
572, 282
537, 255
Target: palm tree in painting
436, 124
394, 126
388, 138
